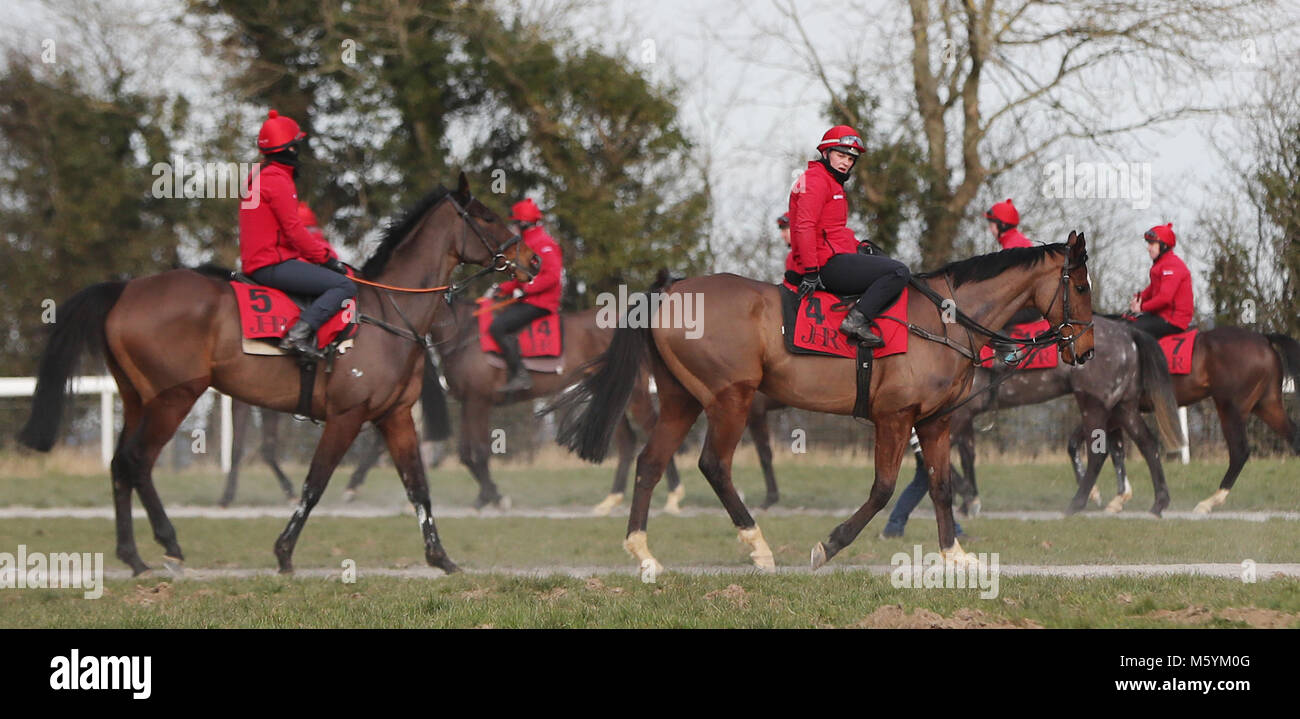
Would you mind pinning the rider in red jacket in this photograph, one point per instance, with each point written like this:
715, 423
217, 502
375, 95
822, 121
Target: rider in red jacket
536, 298
275, 248
825, 250
1166, 304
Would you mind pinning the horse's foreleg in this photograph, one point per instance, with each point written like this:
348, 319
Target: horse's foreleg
271, 450
1094, 427
762, 436
1123, 490
475, 449
403, 442
339, 432
1130, 419
892, 434
935, 444
371, 449
963, 436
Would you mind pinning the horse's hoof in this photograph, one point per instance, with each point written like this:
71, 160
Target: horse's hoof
1203, 507
770, 501
504, 503
1095, 495
607, 505
174, 566
674, 503
446, 565
762, 553
349, 495
818, 556
1115, 506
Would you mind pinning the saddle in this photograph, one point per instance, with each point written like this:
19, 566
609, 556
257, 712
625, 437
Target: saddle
1041, 357
1178, 350
541, 343
811, 325
265, 316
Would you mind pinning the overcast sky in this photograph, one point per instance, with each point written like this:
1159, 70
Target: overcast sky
756, 114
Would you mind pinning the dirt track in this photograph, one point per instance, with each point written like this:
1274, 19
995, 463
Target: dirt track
367, 512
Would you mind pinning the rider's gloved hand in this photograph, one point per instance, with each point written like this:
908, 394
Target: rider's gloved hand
334, 264
812, 280
517, 293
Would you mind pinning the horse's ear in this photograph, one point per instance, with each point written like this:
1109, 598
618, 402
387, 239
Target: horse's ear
462, 188
1073, 238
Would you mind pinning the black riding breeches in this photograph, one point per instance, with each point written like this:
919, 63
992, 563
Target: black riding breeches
303, 278
508, 321
1155, 325
878, 278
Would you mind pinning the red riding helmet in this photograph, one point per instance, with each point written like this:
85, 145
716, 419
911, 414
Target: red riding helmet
844, 139
277, 133
783, 221
525, 211
1161, 233
1004, 213
306, 215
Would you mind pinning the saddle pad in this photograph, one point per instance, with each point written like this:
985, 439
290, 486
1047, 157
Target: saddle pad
814, 326
1178, 351
1044, 357
268, 313
542, 338
544, 365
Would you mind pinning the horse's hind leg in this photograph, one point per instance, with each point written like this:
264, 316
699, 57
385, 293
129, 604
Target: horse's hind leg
1233, 421
1272, 411
625, 440
403, 442
124, 468
1123, 489
240, 414
159, 420
340, 431
645, 415
677, 413
727, 420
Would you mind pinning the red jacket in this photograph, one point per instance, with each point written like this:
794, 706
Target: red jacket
544, 290
272, 232
1170, 293
1013, 238
819, 215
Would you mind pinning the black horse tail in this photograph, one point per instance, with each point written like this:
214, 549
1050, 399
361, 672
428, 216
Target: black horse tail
591, 409
1289, 350
433, 403
1158, 388
78, 330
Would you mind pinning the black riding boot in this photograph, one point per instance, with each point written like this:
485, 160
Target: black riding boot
518, 380
301, 340
856, 324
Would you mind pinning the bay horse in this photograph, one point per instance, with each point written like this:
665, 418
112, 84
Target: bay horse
473, 382
1242, 372
741, 351
1129, 372
167, 337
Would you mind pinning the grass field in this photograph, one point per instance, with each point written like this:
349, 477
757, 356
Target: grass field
492, 547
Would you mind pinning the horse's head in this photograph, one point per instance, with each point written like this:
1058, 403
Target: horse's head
1065, 299
490, 242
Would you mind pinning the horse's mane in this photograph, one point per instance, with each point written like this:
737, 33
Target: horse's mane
397, 231
986, 267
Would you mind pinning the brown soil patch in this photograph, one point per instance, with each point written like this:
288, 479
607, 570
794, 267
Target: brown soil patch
1253, 617
734, 593
143, 596
893, 616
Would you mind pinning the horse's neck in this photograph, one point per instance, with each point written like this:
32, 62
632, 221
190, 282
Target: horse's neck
992, 302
